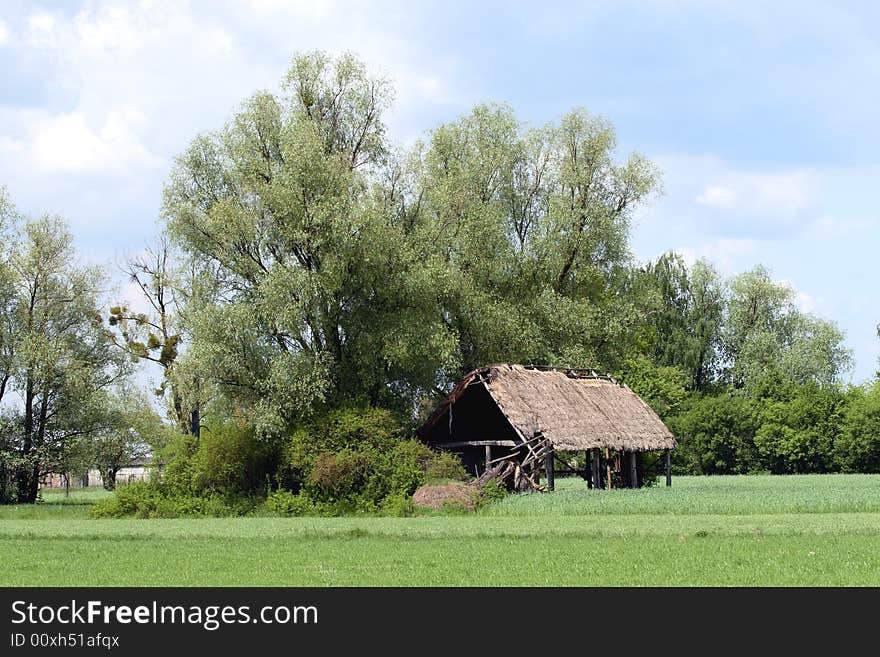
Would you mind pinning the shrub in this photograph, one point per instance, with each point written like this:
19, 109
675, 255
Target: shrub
339, 475
152, 500
285, 503
231, 459
716, 436
492, 491
364, 430
858, 447
398, 504
445, 466
356, 460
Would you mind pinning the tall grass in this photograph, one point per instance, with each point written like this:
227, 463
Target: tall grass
736, 495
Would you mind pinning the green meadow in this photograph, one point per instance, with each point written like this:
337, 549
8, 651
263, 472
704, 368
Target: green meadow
811, 530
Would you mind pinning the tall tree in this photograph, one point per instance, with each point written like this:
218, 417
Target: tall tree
684, 310
767, 339
319, 294
61, 360
344, 271
155, 335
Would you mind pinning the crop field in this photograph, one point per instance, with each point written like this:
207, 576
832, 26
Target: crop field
813, 530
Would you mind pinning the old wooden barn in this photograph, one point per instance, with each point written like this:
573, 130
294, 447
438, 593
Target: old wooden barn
547, 421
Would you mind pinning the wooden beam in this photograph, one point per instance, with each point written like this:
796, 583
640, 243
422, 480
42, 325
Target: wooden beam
667, 458
633, 471
488, 455
479, 443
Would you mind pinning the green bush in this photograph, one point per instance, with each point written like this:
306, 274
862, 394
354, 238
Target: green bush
716, 435
285, 503
858, 447
492, 491
398, 504
152, 500
230, 458
357, 461
339, 475
349, 461
444, 466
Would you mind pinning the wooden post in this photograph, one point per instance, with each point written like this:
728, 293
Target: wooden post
633, 471
597, 478
667, 458
488, 455
548, 466
608, 469
588, 469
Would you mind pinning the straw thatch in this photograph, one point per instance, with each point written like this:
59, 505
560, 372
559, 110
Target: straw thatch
572, 409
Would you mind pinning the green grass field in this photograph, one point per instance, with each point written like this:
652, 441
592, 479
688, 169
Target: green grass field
718, 531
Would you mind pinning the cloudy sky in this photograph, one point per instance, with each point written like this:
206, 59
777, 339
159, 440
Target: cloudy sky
762, 116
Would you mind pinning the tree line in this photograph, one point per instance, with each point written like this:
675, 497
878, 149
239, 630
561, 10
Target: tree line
308, 265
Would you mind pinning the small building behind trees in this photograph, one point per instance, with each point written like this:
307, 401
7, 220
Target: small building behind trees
544, 421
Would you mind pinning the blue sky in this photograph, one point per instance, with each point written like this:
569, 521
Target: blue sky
762, 116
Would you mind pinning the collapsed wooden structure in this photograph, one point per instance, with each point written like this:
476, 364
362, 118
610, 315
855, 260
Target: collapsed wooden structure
516, 422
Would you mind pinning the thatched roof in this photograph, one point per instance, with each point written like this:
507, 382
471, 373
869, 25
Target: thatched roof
575, 410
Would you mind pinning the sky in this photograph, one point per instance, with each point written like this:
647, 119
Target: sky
763, 117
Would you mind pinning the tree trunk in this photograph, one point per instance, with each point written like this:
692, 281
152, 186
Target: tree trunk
110, 479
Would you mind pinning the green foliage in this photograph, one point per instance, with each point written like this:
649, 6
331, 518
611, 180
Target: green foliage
55, 357
285, 503
492, 492
349, 275
663, 388
356, 460
858, 447
230, 458
716, 435
798, 432
767, 339
151, 500
444, 466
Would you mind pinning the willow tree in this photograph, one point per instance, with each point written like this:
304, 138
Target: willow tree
317, 293
767, 339
534, 226
344, 270
58, 359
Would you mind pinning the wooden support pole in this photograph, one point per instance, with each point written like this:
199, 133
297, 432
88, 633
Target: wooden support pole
597, 480
668, 459
488, 455
548, 466
608, 469
633, 471
588, 469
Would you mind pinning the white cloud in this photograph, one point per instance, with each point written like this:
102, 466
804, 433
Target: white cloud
717, 196
41, 32
781, 195
133, 297
805, 302
41, 21
726, 253
831, 227
71, 143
